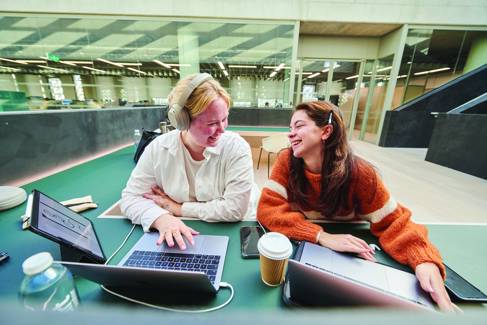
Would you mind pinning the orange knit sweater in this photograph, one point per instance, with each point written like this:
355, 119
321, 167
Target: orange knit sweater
404, 240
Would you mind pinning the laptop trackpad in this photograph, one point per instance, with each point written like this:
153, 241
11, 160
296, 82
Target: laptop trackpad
201, 245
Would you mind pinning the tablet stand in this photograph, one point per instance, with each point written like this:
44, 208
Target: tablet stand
69, 254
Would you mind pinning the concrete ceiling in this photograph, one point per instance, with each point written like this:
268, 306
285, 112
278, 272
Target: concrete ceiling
346, 29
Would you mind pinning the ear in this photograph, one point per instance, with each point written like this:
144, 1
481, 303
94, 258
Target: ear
326, 132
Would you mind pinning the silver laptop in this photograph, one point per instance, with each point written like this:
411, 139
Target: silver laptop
324, 277
198, 269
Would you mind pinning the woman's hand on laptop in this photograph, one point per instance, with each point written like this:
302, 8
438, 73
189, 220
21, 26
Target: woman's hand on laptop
172, 229
346, 244
161, 199
429, 277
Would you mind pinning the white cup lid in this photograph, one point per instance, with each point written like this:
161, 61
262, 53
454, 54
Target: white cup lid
274, 245
37, 263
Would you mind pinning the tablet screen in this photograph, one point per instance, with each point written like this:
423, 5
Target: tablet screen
56, 220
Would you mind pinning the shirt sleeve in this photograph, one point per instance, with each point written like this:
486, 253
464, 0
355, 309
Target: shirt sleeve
239, 176
406, 241
275, 212
133, 205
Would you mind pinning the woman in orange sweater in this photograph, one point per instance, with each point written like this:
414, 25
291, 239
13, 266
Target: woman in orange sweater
320, 178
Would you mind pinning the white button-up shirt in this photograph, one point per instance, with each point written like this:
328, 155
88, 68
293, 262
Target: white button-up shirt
224, 186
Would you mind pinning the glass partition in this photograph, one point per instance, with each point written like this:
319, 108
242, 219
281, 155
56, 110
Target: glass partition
47, 62
331, 80
433, 57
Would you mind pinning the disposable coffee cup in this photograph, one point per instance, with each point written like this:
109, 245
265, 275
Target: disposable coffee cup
275, 250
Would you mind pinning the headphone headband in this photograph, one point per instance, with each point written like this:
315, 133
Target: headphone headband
194, 83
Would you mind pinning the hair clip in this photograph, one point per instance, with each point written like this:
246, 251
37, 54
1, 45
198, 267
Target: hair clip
329, 118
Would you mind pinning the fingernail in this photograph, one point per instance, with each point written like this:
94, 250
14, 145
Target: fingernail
183, 247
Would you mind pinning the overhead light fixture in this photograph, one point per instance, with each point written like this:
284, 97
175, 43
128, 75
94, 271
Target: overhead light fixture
352, 77
93, 69
110, 62
279, 67
225, 72
179, 65
431, 71
328, 69
175, 70
68, 63
51, 68
135, 64
402, 76
31, 61
384, 69
13, 61
272, 74
167, 66
275, 67
9, 68
136, 70
305, 73
76, 62
242, 66
220, 64
314, 75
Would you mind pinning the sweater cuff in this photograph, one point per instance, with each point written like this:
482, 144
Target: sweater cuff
421, 255
307, 231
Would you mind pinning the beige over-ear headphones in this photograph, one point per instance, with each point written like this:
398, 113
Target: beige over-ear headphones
177, 114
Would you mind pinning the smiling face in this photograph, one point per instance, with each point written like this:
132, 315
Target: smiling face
305, 136
206, 128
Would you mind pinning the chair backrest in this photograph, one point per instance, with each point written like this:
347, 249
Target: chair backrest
275, 143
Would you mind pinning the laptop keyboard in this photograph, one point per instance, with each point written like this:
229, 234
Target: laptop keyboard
207, 264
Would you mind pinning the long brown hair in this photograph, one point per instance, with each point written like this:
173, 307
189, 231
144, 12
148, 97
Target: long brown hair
338, 163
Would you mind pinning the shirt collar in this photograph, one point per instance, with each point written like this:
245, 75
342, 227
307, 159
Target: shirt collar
174, 145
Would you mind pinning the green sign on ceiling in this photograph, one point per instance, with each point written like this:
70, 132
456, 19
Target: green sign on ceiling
52, 57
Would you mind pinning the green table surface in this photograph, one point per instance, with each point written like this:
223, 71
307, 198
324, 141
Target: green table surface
462, 246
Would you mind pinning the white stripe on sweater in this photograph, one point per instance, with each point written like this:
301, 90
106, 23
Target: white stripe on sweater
276, 187
378, 215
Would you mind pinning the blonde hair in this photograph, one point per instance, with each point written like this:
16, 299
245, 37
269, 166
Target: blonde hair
201, 97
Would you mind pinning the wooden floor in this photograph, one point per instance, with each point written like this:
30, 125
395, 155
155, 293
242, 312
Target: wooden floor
435, 194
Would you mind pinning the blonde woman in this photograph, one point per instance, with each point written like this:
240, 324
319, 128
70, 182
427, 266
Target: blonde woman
198, 170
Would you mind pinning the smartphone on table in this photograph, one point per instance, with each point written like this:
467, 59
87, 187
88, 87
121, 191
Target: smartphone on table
249, 236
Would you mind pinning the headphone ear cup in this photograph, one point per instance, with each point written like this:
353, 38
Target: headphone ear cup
171, 115
179, 117
183, 120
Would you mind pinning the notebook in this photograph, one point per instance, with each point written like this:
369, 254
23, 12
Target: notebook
319, 276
